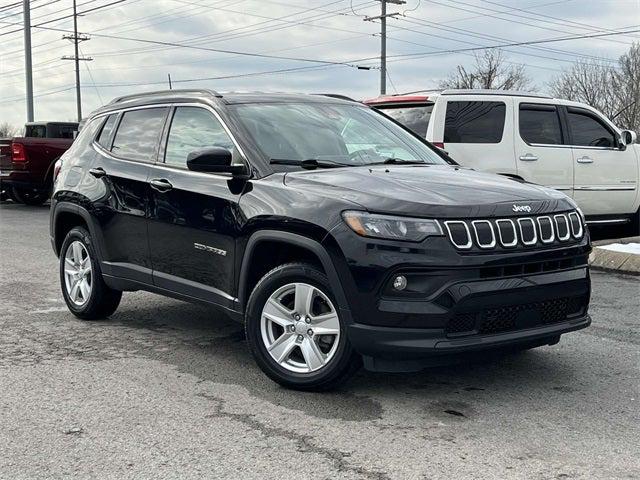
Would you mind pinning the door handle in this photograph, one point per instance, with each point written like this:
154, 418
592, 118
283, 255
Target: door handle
161, 184
97, 172
584, 159
529, 157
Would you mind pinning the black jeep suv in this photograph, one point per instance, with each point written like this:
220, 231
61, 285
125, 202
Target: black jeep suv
335, 234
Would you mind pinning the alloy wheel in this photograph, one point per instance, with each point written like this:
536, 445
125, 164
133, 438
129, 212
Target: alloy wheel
300, 328
77, 273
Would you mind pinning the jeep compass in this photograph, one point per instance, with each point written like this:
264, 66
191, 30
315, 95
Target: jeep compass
334, 234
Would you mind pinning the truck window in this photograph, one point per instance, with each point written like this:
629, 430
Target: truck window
474, 122
138, 135
58, 130
414, 117
589, 131
540, 124
104, 139
36, 131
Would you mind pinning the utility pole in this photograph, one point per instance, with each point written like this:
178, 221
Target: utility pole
26, 12
383, 38
76, 58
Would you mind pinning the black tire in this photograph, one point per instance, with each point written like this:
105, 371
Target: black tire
345, 360
102, 301
634, 228
29, 196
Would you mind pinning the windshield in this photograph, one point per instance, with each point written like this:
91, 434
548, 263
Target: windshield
345, 134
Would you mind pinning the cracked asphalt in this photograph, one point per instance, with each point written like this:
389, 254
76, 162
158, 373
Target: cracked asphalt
165, 389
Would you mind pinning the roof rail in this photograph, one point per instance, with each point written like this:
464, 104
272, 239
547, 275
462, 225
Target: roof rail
157, 93
336, 95
504, 93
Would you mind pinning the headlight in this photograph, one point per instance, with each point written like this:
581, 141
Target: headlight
390, 227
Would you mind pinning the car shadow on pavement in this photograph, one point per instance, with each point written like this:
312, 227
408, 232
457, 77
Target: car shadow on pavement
198, 340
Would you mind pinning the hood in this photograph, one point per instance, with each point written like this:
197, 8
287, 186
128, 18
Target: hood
440, 191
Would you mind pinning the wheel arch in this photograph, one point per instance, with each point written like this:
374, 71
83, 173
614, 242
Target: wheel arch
300, 243
66, 216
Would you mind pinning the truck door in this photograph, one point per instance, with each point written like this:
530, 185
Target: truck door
540, 150
605, 172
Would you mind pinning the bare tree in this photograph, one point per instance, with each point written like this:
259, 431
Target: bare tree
490, 72
588, 82
8, 130
614, 90
626, 86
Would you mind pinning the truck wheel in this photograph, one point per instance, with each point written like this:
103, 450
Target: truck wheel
635, 224
295, 332
83, 288
29, 196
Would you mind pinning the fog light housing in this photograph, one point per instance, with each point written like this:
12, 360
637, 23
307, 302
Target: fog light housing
400, 282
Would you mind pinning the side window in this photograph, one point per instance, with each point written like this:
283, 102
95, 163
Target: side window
474, 122
104, 139
415, 118
139, 133
540, 124
36, 131
66, 131
194, 128
588, 131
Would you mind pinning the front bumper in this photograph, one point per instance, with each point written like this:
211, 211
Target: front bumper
480, 315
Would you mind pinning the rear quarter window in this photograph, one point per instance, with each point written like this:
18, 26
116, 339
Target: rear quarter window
414, 117
474, 122
104, 139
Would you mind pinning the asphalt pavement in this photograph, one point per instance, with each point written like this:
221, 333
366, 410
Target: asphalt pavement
166, 389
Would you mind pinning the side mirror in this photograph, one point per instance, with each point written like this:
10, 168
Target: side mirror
213, 160
627, 137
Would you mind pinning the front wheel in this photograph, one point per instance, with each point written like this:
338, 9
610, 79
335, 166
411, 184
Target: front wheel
295, 332
84, 290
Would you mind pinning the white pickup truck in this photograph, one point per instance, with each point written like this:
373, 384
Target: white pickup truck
565, 145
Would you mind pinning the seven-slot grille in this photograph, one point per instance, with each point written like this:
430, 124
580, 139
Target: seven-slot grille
510, 232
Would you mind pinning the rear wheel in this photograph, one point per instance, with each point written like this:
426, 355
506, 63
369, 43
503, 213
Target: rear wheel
83, 288
29, 196
295, 331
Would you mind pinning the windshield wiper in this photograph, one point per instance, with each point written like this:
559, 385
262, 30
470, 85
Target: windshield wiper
310, 164
398, 161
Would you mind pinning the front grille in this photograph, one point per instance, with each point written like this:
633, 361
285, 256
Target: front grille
532, 268
507, 233
516, 317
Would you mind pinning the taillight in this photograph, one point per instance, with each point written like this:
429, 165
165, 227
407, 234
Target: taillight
18, 153
439, 144
56, 168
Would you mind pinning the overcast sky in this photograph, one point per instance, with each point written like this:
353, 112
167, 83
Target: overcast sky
329, 31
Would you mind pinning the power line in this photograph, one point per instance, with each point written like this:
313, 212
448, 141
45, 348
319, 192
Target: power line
268, 29
563, 22
513, 44
471, 33
39, 25
268, 20
208, 49
511, 20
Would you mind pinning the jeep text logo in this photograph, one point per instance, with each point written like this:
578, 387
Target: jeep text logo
521, 208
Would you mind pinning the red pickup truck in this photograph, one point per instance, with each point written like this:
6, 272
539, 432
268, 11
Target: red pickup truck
27, 163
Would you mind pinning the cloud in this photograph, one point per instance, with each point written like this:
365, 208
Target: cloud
306, 29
